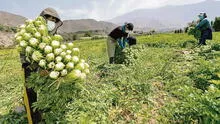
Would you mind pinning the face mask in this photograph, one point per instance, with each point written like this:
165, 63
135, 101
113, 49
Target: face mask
50, 25
200, 17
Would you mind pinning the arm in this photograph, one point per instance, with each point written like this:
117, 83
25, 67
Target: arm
122, 42
202, 23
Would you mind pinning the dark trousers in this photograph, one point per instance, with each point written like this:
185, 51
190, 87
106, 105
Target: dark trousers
206, 34
32, 96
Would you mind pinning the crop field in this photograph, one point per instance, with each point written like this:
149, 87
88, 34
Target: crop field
165, 78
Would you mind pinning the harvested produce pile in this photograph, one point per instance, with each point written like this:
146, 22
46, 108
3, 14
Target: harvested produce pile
53, 62
129, 55
47, 51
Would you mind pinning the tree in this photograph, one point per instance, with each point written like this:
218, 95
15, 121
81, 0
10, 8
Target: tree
75, 37
1, 27
152, 31
14, 29
175, 31
186, 29
212, 23
88, 34
216, 24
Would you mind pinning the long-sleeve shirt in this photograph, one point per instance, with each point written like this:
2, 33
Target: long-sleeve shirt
118, 33
120, 36
203, 25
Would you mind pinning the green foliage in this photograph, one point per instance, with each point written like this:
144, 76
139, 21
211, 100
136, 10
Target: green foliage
51, 99
188, 44
11, 87
8, 28
127, 56
161, 87
97, 37
196, 33
1, 28
179, 31
216, 46
75, 37
88, 34
14, 118
166, 40
110, 100
70, 36
91, 102
216, 24
198, 100
195, 106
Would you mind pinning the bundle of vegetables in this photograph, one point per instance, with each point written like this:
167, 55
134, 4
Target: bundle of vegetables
129, 55
47, 51
193, 31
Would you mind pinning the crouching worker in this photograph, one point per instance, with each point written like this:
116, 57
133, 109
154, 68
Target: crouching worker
53, 23
118, 36
205, 27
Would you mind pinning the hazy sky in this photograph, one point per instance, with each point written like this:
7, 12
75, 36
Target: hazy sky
78, 9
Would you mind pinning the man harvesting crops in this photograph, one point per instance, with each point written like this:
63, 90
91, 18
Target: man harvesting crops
205, 27
118, 36
53, 23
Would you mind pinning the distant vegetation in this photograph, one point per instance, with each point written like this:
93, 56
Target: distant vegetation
179, 31
216, 24
7, 28
83, 35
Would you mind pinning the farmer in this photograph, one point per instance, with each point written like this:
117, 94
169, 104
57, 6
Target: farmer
53, 23
118, 35
205, 27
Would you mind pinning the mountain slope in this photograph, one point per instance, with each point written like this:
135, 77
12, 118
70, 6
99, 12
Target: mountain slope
68, 26
169, 17
10, 19
85, 25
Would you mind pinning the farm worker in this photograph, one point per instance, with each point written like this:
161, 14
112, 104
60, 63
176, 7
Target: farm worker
205, 27
53, 23
118, 36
